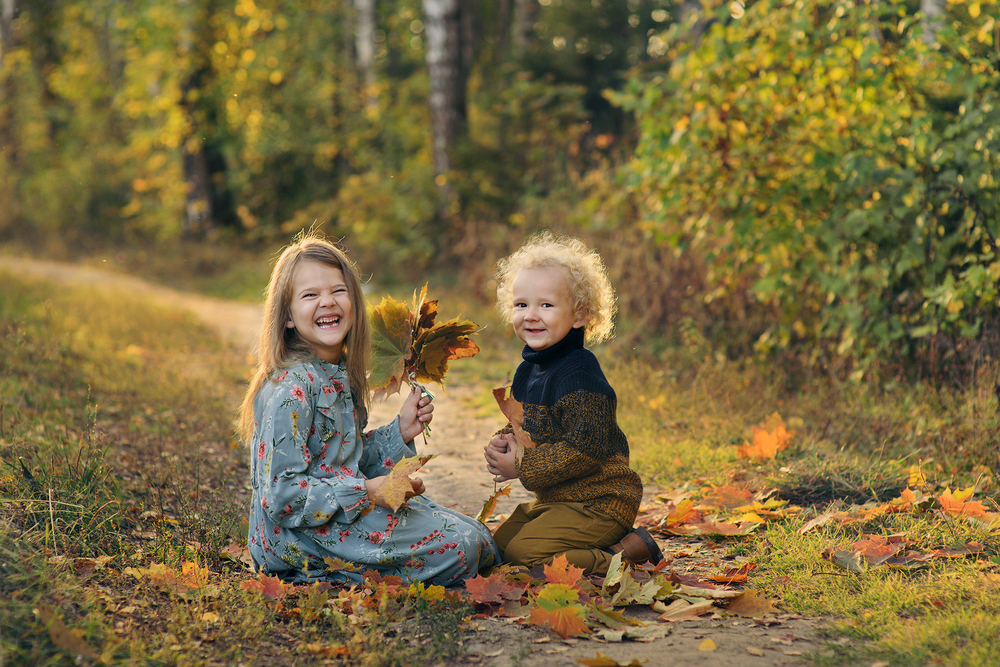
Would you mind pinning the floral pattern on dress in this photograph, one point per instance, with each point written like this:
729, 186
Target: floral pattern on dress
309, 498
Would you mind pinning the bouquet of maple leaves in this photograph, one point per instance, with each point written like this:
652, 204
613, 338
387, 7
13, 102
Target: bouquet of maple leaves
408, 347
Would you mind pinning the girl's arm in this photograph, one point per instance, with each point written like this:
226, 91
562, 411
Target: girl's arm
415, 413
386, 445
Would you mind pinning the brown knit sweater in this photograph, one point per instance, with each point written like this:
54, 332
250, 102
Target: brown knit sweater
570, 413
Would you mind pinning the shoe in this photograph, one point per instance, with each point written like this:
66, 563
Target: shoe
638, 547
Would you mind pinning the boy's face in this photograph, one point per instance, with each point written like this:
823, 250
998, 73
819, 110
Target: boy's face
321, 310
543, 312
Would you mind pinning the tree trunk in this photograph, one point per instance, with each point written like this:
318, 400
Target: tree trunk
198, 203
364, 47
446, 24
525, 14
931, 21
8, 134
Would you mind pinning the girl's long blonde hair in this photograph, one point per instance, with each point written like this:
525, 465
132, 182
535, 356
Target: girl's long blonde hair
279, 347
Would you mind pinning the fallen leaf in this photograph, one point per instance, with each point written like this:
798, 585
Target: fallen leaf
68, 639
561, 572
707, 645
604, 661
494, 588
682, 610
755, 650
734, 575
728, 497
750, 605
769, 438
559, 609
956, 503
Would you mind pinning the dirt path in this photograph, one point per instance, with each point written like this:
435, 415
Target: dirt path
456, 478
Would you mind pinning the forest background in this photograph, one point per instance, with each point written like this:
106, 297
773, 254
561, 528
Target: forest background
809, 179
797, 201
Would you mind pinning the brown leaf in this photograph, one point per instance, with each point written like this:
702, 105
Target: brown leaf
728, 497
491, 504
682, 610
67, 639
494, 588
514, 411
734, 575
748, 604
396, 484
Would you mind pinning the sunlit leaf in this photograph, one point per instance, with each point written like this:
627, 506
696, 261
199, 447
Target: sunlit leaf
391, 341
559, 608
769, 438
395, 486
956, 503
749, 604
561, 572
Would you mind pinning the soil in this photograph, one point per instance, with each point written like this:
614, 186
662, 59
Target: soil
456, 477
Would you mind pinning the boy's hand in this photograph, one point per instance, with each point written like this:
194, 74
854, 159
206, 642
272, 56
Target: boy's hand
416, 412
500, 457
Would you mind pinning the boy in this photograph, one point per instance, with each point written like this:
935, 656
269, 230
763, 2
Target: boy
555, 292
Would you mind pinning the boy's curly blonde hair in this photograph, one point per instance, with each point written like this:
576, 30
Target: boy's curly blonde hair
587, 278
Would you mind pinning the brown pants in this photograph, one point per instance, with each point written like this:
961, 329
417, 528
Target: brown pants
538, 532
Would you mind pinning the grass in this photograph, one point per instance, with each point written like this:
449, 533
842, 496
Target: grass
116, 454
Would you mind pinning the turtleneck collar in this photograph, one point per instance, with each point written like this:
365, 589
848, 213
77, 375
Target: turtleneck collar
571, 341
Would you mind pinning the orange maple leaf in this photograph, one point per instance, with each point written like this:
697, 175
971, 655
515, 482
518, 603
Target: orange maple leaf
561, 572
494, 588
272, 587
956, 503
558, 608
769, 438
683, 512
734, 575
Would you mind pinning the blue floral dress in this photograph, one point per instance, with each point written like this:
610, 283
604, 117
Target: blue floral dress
308, 468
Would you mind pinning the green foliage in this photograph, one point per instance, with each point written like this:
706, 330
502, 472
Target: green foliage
826, 157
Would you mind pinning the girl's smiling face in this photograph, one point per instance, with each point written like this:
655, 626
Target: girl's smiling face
320, 309
543, 311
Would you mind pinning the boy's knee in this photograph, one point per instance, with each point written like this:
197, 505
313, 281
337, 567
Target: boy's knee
526, 553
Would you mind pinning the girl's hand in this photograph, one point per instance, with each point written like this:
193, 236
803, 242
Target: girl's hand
372, 486
500, 458
416, 412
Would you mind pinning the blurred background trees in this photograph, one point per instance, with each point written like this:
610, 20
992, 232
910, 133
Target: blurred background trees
803, 178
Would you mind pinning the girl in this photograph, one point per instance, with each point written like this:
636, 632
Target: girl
313, 469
